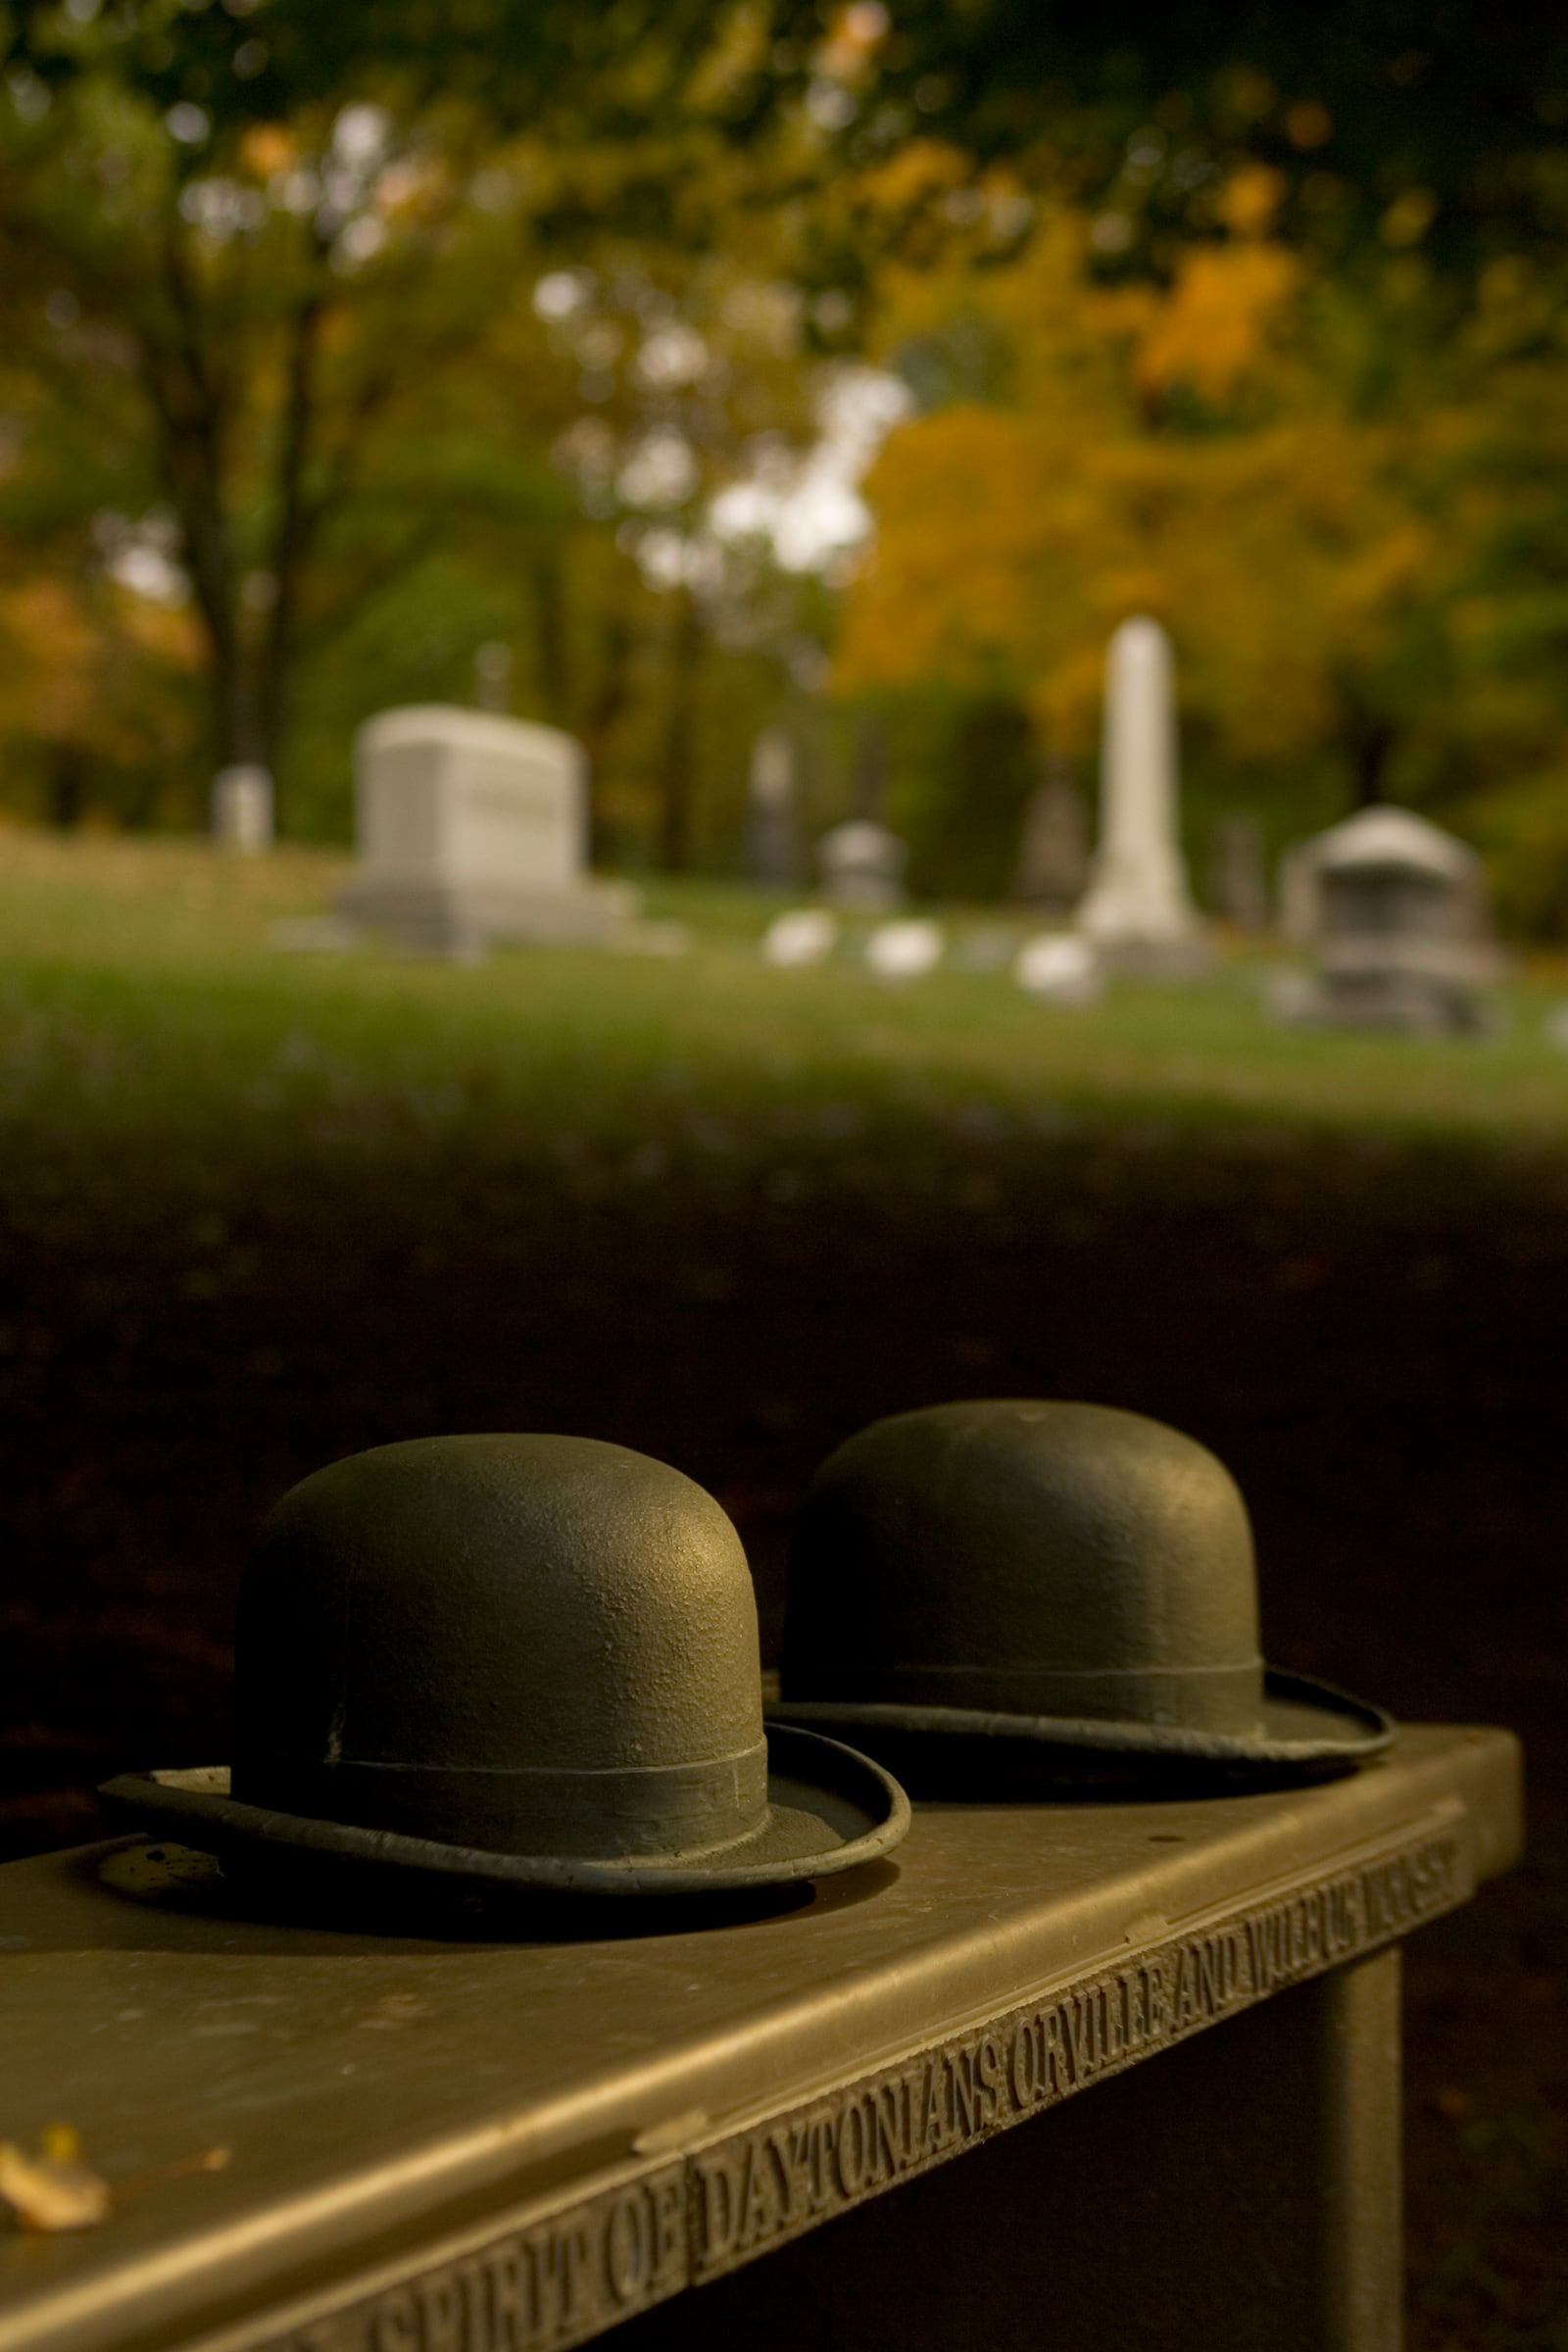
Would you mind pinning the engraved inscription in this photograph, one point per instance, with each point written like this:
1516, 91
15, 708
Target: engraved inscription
563, 2280
541, 2290
763, 2186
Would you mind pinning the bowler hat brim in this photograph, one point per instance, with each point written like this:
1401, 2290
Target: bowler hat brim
829, 1809
1306, 1730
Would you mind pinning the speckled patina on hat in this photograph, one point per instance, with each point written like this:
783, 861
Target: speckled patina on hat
1046, 1587
527, 1662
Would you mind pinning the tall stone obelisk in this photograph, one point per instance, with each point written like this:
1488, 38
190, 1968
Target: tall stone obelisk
1137, 910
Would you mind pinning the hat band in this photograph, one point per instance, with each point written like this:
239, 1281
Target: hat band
527, 1809
1206, 1699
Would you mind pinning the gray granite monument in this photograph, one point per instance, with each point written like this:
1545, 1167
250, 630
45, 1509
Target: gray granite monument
773, 840
1052, 868
861, 864
1238, 883
1395, 911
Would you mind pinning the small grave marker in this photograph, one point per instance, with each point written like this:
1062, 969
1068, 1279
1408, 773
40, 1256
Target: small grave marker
1059, 969
773, 836
806, 935
862, 865
904, 951
242, 808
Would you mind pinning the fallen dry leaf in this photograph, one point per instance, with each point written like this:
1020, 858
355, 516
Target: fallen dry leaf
54, 2189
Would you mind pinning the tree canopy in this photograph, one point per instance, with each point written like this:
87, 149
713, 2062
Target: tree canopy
1389, 121
342, 343
284, 259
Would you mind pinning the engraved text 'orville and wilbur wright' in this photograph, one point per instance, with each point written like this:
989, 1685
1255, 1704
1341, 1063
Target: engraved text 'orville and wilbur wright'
560, 2281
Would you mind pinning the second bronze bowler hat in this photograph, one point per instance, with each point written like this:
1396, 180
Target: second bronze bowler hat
1049, 1586
514, 1661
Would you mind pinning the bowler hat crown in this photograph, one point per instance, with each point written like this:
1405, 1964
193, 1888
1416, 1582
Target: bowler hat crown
531, 1644
1030, 1559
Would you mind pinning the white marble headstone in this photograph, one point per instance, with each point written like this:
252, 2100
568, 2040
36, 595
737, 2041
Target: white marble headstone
471, 826
1137, 910
905, 951
242, 807
803, 934
1059, 969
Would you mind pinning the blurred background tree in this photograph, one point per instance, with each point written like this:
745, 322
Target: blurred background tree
339, 350
1393, 126
1253, 319
278, 276
1348, 539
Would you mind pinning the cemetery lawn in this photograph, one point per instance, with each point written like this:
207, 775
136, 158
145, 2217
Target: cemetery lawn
260, 1209
137, 982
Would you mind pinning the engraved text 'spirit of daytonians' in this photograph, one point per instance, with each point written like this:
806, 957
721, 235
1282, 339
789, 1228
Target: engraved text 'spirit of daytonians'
554, 2284
560, 2281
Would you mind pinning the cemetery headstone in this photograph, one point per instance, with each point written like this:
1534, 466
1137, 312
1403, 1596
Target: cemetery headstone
1138, 911
492, 675
804, 935
1403, 935
1053, 869
772, 823
1296, 909
904, 951
1238, 885
471, 827
242, 808
1059, 969
861, 864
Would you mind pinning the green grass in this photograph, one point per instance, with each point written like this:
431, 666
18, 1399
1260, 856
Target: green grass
137, 986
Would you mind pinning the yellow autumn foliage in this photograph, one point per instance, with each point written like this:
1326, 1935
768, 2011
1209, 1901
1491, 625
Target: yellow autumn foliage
1158, 449
1225, 304
95, 666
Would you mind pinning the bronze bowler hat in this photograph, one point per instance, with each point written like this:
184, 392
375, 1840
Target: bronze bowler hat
1048, 1589
516, 1660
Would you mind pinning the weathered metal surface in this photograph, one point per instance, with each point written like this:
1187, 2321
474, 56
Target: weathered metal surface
1244, 2192
496, 2147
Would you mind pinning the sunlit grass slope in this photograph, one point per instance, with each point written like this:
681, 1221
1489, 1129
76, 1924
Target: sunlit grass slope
138, 987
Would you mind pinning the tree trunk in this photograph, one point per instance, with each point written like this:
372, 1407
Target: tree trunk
611, 693
292, 535
188, 399
67, 785
1370, 739
1371, 762
675, 765
550, 630
192, 402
